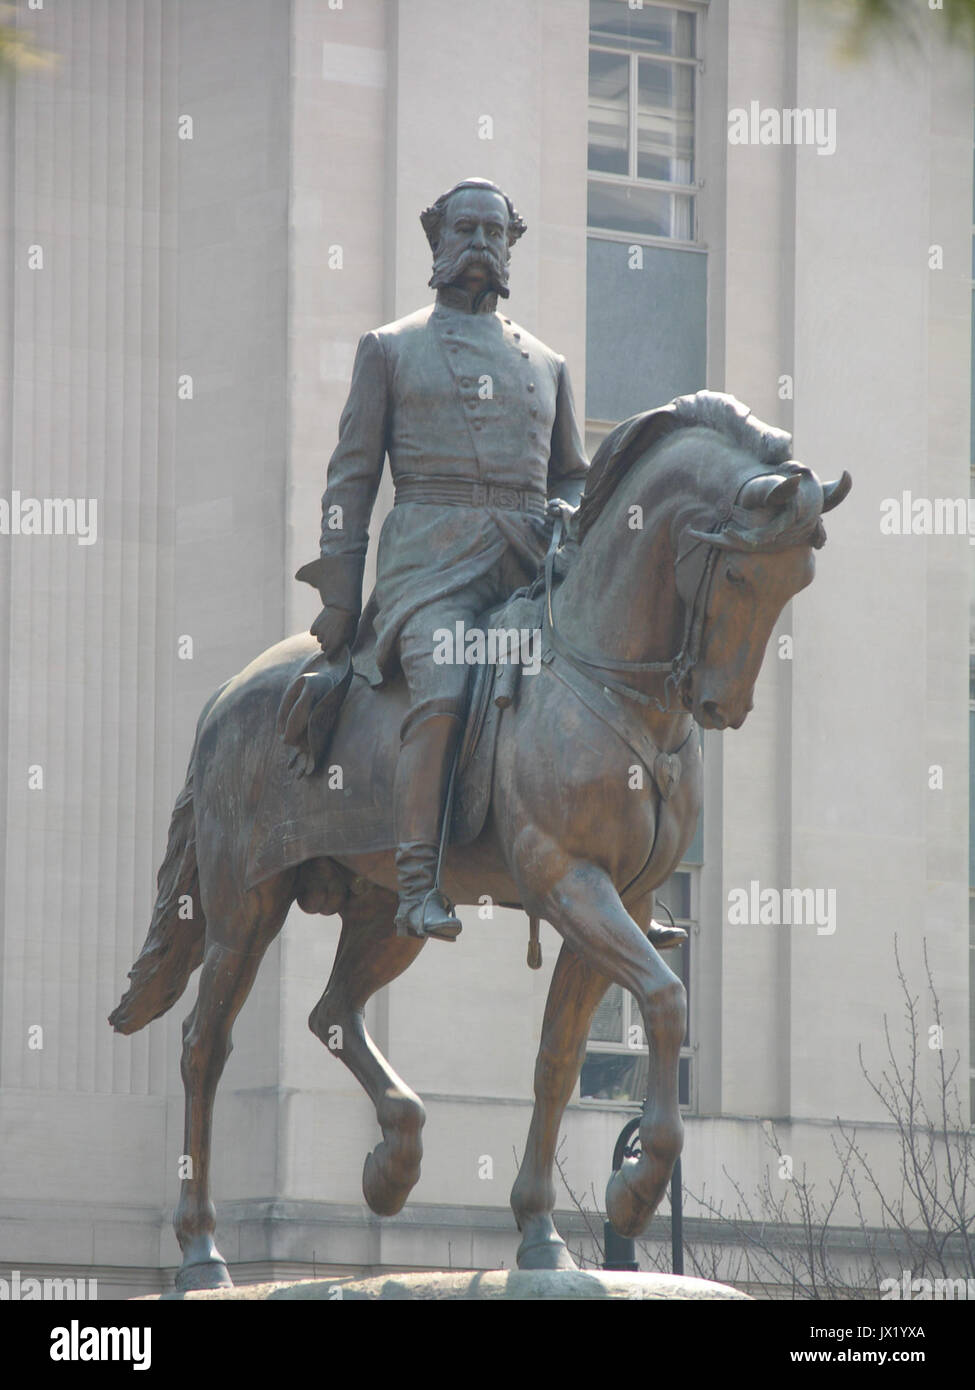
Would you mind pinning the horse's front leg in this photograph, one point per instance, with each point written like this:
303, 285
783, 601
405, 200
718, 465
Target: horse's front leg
585, 908
573, 996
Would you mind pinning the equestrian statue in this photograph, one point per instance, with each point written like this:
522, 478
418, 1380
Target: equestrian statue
358, 770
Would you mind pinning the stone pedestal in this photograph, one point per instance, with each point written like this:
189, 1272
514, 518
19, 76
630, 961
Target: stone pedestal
545, 1285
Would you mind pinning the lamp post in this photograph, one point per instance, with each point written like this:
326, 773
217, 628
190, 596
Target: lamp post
620, 1251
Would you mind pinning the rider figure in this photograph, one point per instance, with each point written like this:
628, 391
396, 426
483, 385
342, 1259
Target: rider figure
477, 419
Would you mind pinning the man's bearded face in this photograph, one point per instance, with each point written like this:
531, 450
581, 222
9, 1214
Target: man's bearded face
472, 250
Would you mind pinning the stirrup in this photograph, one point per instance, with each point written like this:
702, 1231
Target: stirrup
411, 918
665, 938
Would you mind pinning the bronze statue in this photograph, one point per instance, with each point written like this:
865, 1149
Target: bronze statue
477, 418
655, 603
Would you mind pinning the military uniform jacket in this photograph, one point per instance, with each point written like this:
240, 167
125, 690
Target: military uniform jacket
448, 392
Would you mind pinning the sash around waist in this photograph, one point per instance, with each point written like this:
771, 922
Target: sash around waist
465, 492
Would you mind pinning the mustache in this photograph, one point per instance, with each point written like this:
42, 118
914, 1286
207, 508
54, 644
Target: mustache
447, 268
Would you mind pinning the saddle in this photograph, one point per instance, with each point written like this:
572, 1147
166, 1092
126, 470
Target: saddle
311, 704
305, 811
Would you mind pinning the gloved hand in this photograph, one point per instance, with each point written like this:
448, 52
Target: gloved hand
335, 628
555, 506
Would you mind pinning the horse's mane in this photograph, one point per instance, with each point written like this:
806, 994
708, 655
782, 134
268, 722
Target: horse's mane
633, 437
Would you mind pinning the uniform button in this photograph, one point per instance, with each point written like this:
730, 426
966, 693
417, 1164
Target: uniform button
517, 337
448, 331
524, 352
533, 411
477, 424
465, 381
532, 434
530, 386
471, 405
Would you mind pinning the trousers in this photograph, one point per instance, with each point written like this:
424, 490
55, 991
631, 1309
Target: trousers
437, 686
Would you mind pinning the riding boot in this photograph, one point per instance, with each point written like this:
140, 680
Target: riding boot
419, 791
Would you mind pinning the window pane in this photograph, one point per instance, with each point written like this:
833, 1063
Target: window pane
971, 798
615, 1076
665, 122
676, 894
640, 211
972, 427
694, 854
685, 34
607, 1024
652, 29
609, 113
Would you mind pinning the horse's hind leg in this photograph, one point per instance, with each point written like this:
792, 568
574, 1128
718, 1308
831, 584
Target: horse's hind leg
235, 945
369, 956
573, 996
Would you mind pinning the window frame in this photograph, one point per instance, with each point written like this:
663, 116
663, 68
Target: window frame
699, 8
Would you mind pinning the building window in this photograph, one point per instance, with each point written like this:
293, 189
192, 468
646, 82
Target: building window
972, 364
616, 1065
643, 66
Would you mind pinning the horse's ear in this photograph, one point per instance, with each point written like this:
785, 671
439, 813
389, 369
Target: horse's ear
772, 491
834, 493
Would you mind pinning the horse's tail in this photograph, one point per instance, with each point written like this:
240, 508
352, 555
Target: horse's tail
174, 946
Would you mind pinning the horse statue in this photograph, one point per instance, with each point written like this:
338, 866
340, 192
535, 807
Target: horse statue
695, 529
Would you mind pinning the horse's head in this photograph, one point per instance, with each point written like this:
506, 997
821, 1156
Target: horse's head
732, 517
735, 580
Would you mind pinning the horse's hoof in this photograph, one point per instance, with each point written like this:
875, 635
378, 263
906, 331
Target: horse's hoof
628, 1214
210, 1274
550, 1253
385, 1195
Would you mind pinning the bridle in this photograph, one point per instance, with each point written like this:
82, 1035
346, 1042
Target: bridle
678, 667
